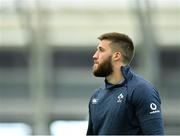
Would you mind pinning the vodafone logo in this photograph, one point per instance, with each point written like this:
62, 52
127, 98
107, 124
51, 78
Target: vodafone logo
153, 106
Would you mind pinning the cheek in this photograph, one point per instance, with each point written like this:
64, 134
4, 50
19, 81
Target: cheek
103, 58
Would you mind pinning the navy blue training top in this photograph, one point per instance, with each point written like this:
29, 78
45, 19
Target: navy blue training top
130, 108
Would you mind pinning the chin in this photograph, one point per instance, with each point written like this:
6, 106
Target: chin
94, 72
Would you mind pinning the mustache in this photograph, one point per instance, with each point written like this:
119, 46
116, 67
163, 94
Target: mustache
95, 62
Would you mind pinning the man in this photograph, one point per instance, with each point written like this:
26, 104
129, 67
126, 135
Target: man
126, 104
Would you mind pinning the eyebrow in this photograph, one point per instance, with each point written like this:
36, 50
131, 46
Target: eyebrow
100, 48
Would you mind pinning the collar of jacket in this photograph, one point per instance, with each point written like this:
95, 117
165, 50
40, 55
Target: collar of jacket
127, 74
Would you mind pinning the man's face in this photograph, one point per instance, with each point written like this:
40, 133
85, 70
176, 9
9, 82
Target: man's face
102, 66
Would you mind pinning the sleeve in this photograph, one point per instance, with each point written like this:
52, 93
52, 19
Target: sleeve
148, 110
90, 125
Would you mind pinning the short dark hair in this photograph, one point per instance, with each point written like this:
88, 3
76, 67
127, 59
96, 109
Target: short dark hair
122, 42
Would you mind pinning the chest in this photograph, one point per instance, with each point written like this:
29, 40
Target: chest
109, 106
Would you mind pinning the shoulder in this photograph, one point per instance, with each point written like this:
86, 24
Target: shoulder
145, 87
138, 83
143, 90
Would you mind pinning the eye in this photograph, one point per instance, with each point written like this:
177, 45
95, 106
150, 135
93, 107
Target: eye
101, 49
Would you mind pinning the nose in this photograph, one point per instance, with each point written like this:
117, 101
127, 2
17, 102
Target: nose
95, 56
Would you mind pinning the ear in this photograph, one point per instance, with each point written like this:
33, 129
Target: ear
117, 56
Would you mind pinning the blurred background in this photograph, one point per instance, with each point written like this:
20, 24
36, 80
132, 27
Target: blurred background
46, 49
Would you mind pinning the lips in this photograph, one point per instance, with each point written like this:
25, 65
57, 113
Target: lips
95, 65
95, 62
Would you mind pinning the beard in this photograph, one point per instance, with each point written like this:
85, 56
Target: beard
104, 69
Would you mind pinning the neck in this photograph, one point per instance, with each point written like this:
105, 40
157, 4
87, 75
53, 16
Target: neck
115, 77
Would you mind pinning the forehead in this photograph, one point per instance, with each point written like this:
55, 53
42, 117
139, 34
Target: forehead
104, 44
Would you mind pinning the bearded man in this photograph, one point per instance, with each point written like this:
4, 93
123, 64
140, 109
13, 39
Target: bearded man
126, 104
